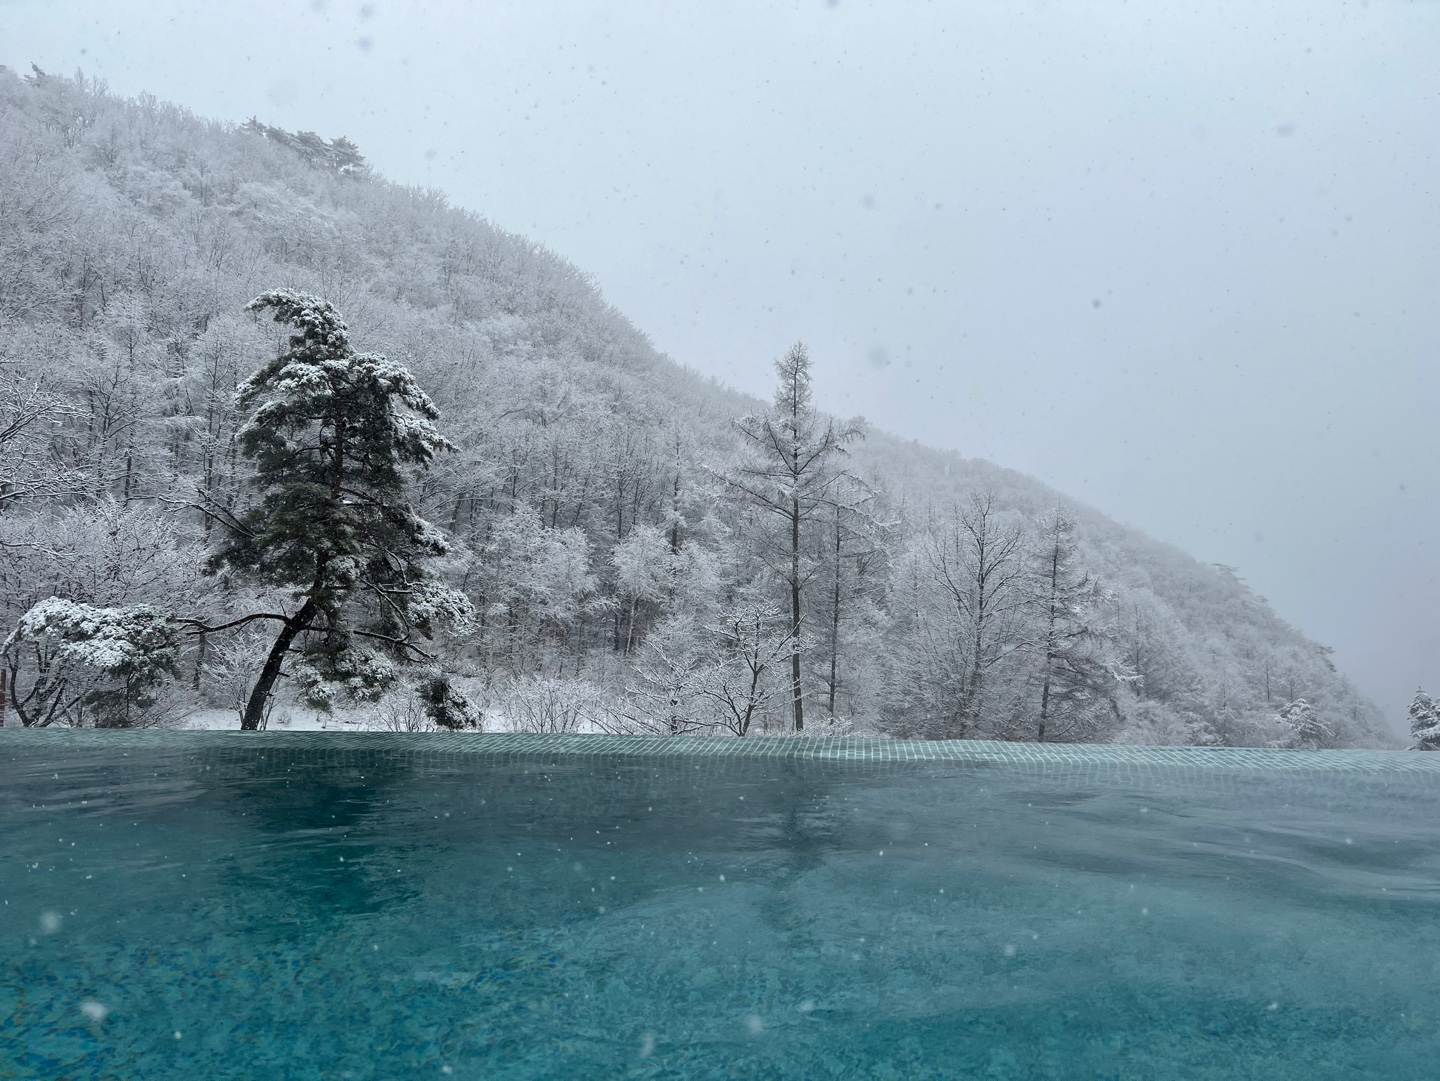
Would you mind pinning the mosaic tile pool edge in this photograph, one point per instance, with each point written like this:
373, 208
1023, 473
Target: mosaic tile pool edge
830, 748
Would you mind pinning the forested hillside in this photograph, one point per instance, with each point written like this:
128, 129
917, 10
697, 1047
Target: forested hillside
618, 544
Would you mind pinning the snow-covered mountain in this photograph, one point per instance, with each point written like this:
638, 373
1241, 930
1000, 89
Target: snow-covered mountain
622, 575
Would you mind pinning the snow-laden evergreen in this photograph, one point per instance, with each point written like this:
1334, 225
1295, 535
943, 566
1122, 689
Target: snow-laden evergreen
1424, 723
330, 431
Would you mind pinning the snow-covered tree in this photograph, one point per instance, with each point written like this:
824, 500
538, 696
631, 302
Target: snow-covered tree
535, 587
644, 572
751, 639
668, 679
330, 435
341, 155
1424, 723
1300, 720
445, 704
854, 552
1066, 647
976, 559
69, 662
29, 404
789, 472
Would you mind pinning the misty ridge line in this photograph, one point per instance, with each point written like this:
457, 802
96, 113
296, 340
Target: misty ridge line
598, 539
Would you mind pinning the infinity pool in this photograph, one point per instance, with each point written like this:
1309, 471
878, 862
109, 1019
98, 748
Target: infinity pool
272, 906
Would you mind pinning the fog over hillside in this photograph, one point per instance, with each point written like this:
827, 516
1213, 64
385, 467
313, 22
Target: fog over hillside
627, 546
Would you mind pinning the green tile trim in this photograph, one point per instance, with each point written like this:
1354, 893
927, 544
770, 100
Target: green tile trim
830, 748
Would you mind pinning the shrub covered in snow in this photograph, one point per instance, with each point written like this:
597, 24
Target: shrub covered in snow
70, 663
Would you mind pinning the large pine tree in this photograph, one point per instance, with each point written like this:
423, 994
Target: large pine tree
331, 434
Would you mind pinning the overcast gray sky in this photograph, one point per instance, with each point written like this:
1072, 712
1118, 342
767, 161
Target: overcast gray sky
1182, 265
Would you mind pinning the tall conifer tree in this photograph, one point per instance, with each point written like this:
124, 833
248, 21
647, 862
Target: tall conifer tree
1066, 646
790, 472
330, 436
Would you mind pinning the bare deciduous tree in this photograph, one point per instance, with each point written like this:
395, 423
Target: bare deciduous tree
976, 559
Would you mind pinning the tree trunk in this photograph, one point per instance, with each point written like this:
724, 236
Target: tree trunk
977, 673
675, 506
796, 694
750, 701
1050, 637
630, 625
265, 685
835, 620
200, 645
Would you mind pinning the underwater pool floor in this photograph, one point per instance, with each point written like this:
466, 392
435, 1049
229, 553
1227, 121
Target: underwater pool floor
317, 905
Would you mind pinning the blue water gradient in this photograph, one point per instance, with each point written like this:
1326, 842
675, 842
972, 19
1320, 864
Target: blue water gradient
287, 914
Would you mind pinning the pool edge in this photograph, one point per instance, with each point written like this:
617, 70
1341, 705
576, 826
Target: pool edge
837, 748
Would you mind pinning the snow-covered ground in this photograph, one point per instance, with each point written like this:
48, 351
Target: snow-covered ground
303, 720
219, 720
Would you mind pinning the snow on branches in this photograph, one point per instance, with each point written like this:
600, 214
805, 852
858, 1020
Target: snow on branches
340, 154
1424, 723
70, 662
330, 436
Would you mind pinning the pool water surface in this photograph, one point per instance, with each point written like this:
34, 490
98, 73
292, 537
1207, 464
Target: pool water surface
203, 906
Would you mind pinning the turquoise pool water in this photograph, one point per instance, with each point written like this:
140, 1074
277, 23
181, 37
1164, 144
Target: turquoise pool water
206, 907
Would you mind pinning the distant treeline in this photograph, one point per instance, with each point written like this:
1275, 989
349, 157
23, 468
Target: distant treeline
340, 154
